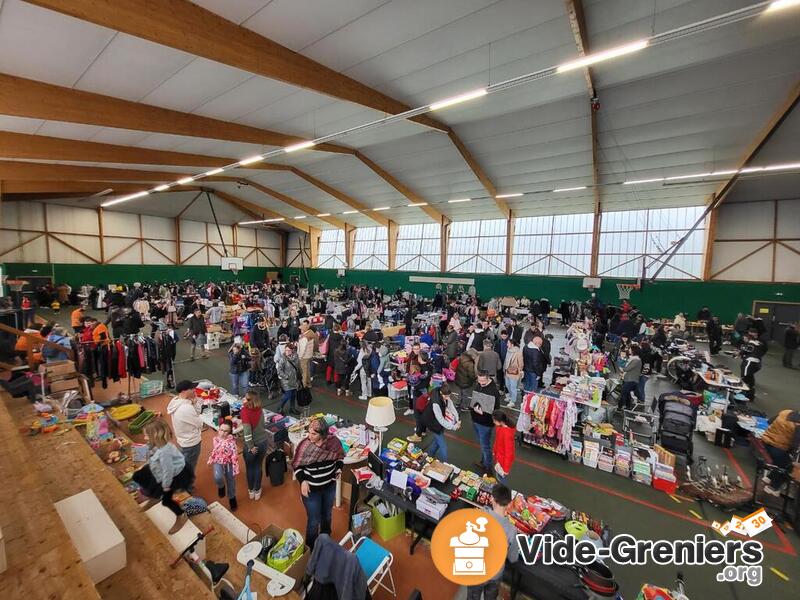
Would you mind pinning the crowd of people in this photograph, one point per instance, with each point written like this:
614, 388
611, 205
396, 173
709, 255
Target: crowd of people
464, 360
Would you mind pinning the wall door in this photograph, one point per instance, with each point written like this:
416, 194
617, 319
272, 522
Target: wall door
776, 315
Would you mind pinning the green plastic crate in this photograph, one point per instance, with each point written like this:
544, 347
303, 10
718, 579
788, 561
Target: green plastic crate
388, 527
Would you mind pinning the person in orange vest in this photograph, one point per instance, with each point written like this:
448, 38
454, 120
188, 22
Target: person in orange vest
24, 344
100, 333
781, 440
76, 318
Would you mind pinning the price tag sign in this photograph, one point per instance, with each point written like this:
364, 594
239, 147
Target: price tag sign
723, 528
757, 522
737, 525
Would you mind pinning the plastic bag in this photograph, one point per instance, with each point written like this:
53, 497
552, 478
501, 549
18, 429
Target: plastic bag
288, 549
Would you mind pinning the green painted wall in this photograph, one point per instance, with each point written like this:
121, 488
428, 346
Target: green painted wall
77, 274
663, 298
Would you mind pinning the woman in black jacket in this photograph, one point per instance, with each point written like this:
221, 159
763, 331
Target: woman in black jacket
239, 362
334, 341
341, 367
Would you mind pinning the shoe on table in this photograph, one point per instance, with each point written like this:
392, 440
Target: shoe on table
408, 413
414, 438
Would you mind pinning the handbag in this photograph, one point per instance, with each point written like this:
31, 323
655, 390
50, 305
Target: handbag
512, 371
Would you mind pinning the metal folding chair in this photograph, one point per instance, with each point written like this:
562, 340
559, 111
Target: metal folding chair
374, 559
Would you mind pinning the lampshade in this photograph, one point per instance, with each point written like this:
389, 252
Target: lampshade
380, 412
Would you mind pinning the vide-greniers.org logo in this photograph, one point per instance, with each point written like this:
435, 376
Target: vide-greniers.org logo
741, 558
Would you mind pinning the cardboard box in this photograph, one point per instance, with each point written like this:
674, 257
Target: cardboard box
98, 541
64, 384
60, 368
298, 568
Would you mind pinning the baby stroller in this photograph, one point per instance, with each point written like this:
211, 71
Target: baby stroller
263, 373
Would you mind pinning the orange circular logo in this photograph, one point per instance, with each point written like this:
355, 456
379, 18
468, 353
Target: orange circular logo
469, 546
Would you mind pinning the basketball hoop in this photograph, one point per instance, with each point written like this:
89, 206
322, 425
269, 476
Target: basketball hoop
625, 290
16, 285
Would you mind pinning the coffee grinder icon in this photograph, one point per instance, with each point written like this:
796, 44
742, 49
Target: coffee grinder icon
469, 549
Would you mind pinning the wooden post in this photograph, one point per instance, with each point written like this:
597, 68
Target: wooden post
774, 238
392, 231
509, 241
711, 233
444, 238
177, 240
100, 231
235, 241
598, 216
46, 232
349, 244
313, 241
283, 237
141, 241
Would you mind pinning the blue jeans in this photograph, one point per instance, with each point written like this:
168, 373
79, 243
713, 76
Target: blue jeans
530, 381
288, 398
254, 466
484, 434
223, 477
191, 455
319, 506
512, 384
625, 395
640, 388
239, 383
438, 449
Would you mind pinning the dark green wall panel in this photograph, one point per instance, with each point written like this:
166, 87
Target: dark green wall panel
77, 274
663, 298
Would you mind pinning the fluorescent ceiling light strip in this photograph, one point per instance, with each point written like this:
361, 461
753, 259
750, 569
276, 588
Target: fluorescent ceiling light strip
784, 167
418, 204
728, 172
692, 176
601, 56
324, 215
300, 146
185, 180
125, 198
781, 4
349, 212
381, 208
571, 189
459, 200
249, 161
517, 195
275, 220
635, 181
161, 188
751, 169
212, 172
301, 217
458, 99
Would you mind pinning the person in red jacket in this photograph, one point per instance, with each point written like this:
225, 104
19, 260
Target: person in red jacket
503, 449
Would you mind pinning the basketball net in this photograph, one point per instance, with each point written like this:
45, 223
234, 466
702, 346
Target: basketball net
15, 285
625, 290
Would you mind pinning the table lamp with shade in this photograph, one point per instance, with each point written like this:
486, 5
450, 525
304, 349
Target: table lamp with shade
380, 414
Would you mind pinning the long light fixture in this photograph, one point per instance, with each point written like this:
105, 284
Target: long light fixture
380, 208
418, 204
459, 200
597, 57
349, 212
692, 176
249, 161
502, 196
212, 172
681, 32
458, 99
324, 215
161, 188
185, 181
275, 220
781, 4
300, 146
125, 198
571, 189
298, 217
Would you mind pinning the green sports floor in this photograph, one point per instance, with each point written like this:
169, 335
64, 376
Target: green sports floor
627, 507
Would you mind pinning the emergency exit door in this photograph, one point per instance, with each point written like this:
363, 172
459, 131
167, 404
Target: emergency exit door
776, 316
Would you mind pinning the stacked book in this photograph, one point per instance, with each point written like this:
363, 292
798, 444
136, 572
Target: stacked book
622, 461
642, 471
606, 460
666, 472
575, 450
591, 453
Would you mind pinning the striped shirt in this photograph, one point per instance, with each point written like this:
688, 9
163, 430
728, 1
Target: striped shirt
322, 467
